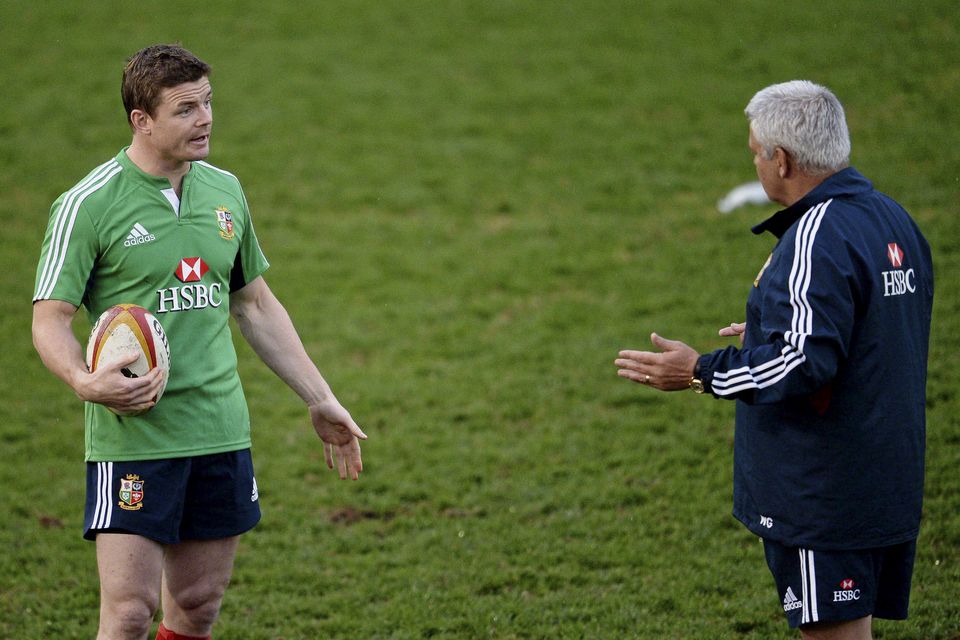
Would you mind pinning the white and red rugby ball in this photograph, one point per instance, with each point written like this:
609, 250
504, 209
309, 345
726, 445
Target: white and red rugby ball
124, 330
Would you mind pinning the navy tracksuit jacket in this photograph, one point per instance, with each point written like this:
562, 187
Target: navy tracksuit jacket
830, 381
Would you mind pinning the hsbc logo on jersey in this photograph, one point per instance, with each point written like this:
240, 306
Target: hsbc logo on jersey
897, 282
193, 294
895, 253
191, 269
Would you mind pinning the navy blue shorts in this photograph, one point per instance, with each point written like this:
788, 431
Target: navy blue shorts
171, 500
838, 586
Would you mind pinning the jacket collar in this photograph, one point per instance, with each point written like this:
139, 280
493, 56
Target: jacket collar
846, 182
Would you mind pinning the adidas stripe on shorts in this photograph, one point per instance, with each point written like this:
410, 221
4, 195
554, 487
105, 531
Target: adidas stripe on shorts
837, 586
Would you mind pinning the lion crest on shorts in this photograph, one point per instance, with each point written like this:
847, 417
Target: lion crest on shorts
131, 492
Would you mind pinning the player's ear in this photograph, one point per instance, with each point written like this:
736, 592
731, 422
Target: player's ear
784, 162
141, 122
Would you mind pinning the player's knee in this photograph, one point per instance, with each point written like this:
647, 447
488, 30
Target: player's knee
130, 618
200, 605
204, 615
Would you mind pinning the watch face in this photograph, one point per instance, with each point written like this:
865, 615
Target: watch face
696, 385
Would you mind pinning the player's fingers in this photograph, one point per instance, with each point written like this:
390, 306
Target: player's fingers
328, 454
151, 381
132, 409
120, 362
342, 464
349, 463
663, 343
356, 462
636, 376
625, 363
639, 357
733, 329
143, 388
124, 394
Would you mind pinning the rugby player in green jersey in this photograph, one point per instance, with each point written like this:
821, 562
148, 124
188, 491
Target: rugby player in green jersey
170, 490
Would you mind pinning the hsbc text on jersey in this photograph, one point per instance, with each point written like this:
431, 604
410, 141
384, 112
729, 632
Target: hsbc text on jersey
189, 296
898, 282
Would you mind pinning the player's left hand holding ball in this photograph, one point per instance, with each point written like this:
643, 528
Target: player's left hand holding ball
341, 437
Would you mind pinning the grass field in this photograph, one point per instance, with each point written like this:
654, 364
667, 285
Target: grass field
469, 208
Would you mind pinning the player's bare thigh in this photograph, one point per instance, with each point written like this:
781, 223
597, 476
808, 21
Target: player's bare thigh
195, 576
859, 629
130, 568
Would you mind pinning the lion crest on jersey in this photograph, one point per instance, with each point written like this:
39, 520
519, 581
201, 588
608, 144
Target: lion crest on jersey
225, 222
131, 492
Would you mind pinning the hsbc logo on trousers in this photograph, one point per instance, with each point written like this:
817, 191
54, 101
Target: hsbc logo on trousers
190, 295
848, 591
846, 595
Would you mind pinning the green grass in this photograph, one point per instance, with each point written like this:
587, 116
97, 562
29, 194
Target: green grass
470, 207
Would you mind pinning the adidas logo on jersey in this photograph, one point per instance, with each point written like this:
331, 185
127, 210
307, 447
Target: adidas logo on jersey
790, 601
138, 235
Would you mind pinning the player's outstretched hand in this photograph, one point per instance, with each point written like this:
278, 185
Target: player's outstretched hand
341, 437
122, 395
670, 369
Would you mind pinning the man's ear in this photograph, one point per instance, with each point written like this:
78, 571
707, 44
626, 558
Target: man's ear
784, 162
141, 122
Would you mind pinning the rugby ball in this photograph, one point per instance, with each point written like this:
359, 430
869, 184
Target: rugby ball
124, 330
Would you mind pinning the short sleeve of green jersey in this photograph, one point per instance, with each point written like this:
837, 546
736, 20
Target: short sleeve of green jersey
68, 254
250, 262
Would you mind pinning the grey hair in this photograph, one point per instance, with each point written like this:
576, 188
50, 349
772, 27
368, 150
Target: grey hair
806, 120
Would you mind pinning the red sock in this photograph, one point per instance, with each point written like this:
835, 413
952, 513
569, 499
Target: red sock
165, 634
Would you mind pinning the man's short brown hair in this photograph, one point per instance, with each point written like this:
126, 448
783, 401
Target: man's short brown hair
154, 69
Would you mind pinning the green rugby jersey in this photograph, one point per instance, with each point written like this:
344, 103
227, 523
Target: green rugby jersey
122, 236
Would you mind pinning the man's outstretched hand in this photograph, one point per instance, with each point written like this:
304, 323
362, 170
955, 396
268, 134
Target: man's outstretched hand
341, 437
670, 369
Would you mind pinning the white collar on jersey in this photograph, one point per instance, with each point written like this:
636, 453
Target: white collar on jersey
174, 200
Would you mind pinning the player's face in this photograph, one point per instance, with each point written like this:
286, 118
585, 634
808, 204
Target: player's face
182, 122
768, 171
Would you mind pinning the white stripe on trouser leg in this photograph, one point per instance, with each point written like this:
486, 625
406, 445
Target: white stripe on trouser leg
812, 571
805, 618
808, 576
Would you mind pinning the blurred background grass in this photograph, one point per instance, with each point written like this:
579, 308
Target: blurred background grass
469, 208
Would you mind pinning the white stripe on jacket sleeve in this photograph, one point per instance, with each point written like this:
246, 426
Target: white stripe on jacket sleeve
791, 356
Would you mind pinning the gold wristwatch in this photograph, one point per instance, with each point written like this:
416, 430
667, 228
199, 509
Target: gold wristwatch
695, 382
